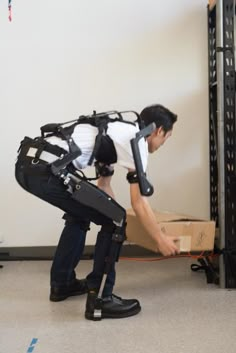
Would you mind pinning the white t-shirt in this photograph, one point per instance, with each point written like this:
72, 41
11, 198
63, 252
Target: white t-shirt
121, 133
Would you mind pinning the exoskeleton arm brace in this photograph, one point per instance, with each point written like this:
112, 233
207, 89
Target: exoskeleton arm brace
145, 186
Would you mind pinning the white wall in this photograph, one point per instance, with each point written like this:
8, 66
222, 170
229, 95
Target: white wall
60, 59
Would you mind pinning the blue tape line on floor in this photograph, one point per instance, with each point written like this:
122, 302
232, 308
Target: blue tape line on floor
32, 345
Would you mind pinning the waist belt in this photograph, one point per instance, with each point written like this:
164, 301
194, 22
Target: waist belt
44, 156
39, 150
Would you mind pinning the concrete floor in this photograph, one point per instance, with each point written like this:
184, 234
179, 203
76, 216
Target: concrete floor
181, 313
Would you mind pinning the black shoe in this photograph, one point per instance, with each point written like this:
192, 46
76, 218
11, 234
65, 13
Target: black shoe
77, 287
110, 307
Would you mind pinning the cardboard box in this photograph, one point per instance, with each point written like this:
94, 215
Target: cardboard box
195, 235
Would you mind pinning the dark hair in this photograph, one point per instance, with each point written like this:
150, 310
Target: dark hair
159, 115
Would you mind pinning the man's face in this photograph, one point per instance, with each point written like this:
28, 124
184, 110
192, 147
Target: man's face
157, 139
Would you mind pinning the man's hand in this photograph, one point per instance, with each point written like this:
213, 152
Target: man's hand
166, 245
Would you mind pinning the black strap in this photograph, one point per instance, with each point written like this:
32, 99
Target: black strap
102, 129
41, 147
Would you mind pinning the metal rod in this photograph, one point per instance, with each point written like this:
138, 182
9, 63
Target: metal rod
234, 45
102, 285
220, 132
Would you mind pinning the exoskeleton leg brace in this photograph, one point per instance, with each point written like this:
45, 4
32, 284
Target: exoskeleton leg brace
89, 195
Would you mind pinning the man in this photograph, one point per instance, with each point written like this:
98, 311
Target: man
35, 176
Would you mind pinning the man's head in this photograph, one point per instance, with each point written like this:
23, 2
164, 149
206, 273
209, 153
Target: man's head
164, 120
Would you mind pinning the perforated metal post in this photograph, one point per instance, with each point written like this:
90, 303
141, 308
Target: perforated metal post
221, 25
229, 136
213, 115
220, 131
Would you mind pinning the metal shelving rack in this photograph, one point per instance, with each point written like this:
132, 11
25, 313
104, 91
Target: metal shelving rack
221, 45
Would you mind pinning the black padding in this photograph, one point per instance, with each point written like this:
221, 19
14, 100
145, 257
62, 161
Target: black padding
106, 152
132, 177
89, 195
49, 128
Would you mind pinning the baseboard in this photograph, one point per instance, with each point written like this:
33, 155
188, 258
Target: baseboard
47, 252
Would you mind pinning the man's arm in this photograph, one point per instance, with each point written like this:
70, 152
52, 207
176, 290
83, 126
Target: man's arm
165, 244
104, 183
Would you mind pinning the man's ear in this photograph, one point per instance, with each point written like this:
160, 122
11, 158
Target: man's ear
159, 131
